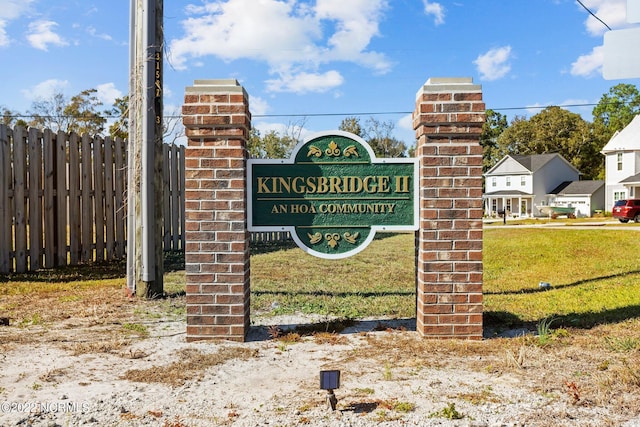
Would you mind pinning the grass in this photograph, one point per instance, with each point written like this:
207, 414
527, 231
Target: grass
190, 364
449, 412
593, 279
594, 276
371, 283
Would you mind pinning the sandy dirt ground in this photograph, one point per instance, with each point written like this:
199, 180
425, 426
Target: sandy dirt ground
80, 371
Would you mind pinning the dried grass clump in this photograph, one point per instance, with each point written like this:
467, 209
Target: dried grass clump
191, 365
99, 346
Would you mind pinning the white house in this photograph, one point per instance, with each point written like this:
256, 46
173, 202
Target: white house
622, 164
519, 183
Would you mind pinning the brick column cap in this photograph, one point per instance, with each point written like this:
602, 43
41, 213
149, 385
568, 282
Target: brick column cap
448, 84
216, 86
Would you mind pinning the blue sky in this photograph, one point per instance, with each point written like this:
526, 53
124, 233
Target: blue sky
319, 57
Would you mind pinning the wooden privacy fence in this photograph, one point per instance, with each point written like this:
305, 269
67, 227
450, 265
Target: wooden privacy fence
63, 198
270, 236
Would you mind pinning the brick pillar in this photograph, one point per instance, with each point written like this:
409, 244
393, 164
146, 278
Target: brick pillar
448, 121
217, 121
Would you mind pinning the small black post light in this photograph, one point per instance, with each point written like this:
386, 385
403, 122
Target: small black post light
330, 380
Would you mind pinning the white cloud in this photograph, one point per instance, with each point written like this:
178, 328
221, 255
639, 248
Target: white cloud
406, 122
41, 35
612, 12
267, 31
286, 35
258, 106
435, 9
297, 129
494, 64
590, 64
575, 101
107, 93
45, 89
94, 33
10, 10
4, 37
356, 23
304, 82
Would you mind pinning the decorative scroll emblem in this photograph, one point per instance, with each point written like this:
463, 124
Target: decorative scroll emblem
333, 195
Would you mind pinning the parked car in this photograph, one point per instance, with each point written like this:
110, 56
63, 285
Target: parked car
626, 210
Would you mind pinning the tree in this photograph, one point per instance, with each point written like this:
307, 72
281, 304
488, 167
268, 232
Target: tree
83, 109
11, 118
351, 124
614, 112
378, 136
120, 127
274, 145
492, 128
616, 109
172, 127
270, 146
49, 113
80, 114
555, 130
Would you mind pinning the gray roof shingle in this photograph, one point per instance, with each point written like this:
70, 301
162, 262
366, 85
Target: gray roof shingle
568, 188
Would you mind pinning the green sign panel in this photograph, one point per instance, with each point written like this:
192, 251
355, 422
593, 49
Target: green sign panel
333, 194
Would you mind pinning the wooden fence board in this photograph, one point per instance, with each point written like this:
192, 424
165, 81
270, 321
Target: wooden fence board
108, 197
121, 178
183, 237
48, 142
6, 237
166, 199
175, 193
86, 236
98, 194
74, 199
34, 172
19, 200
61, 233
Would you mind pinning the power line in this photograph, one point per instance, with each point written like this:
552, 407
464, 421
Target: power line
370, 113
593, 14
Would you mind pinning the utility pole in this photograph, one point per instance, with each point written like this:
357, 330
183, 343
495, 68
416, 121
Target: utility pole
145, 163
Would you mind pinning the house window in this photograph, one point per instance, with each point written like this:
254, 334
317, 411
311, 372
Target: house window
493, 181
523, 181
508, 181
619, 161
508, 205
619, 195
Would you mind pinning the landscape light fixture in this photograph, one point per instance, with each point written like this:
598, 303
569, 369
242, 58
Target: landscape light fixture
330, 380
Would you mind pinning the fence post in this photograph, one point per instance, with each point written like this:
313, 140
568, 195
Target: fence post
448, 121
217, 122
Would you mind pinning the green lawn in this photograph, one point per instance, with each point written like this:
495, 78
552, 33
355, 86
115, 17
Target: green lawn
595, 277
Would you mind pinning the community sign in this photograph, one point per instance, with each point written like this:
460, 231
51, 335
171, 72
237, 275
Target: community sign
333, 194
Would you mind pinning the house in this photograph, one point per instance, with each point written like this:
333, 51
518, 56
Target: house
622, 164
519, 183
587, 197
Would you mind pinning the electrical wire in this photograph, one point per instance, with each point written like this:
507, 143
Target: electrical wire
593, 14
345, 114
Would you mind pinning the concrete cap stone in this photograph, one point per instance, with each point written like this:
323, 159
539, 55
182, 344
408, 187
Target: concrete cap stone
216, 86
449, 84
